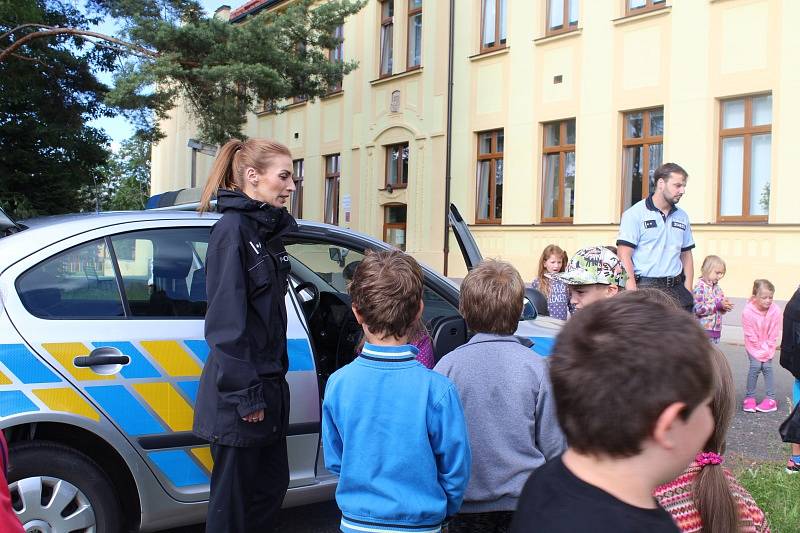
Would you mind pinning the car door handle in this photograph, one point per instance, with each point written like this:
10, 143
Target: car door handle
102, 356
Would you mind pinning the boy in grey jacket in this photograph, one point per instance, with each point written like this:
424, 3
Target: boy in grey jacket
505, 391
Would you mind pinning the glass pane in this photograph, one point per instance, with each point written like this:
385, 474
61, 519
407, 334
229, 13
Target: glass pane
167, 276
404, 164
636, 4
656, 122
414, 4
733, 114
415, 40
395, 214
762, 110
556, 20
484, 143
77, 283
330, 201
573, 12
656, 156
297, 169
483, 189
332, 164
391, 166
732, 173
634, 125
297, 199
551, 192
330, 273
552, 134
502, 21
500, 142
568, 208
498, 188
488, 23
386, 49
396, 237
760, 170
387, 8
570, 132
631, 176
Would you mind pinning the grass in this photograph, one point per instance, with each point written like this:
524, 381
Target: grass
775, 491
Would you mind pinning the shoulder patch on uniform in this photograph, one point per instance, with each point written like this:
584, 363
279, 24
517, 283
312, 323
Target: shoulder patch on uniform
679, 225
650, 224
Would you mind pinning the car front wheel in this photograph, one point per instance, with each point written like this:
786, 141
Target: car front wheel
57, 489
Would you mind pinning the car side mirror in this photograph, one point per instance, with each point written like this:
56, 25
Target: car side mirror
336, 254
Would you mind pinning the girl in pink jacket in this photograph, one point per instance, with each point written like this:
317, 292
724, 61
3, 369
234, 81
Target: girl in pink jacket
761, 322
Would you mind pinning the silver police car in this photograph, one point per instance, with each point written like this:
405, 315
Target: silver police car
101, 349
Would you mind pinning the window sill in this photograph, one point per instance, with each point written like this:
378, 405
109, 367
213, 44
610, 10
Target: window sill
393, 77
490, 223
391, 188
556, 222
296, 104
558, 36
642, 16
746, 221
490, 53
334, 94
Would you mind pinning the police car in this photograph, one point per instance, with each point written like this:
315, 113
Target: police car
101, 349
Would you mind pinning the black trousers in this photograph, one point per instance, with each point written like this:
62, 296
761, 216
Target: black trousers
679, 293
495, 522
247, 487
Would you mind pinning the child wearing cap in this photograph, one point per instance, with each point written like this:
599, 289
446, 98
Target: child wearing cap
393, 430
626, 436
494, 374
592, 274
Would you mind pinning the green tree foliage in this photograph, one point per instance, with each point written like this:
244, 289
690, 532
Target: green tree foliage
50, 158
223, 70
128, 185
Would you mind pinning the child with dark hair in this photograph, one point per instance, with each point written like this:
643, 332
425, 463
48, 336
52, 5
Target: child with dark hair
393, 430
635, 414
706, 497
494, 374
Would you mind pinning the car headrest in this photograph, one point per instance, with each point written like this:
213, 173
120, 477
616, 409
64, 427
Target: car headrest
172, 259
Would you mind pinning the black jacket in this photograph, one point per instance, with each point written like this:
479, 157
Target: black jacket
790, 343
247, 271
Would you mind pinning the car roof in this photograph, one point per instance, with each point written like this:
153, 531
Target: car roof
41, 232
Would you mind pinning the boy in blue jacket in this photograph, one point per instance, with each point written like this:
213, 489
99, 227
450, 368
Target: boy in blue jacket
393, 430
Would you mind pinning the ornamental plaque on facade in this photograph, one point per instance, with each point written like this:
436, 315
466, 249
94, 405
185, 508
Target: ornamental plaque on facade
394, 104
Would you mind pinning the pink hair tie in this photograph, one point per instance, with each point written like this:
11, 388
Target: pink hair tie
708, 458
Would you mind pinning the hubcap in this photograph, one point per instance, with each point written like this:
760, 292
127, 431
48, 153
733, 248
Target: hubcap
49, 505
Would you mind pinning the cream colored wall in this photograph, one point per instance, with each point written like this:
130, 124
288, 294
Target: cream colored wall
685, 58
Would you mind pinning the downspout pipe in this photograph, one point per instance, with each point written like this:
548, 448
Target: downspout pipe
449, 141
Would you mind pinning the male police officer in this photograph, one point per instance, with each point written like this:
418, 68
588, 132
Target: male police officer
655, 239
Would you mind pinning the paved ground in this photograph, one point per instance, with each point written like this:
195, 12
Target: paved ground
753, 437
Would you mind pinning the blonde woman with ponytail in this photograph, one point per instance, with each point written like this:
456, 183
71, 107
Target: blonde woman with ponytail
707, 498
242, 405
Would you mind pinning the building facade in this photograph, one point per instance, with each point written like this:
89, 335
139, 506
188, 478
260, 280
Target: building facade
561, 110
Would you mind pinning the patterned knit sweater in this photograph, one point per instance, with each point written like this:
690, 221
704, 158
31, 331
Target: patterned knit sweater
676, 498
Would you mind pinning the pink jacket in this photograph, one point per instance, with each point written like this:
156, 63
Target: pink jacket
761, 331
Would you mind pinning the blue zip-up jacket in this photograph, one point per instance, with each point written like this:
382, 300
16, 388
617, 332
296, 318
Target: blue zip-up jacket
395, 433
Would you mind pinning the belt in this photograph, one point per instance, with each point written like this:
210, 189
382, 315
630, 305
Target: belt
669, 281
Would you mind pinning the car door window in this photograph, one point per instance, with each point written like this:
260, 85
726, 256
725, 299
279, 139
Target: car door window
163, 271
77, 283
334, 264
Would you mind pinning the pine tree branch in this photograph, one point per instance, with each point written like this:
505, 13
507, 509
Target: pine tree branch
21, 26
31, 59
84, 34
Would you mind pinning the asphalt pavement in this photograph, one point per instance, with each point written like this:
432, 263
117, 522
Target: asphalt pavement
753, 437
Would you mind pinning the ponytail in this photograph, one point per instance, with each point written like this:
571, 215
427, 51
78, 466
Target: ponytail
234, 157
222, 174
718, 508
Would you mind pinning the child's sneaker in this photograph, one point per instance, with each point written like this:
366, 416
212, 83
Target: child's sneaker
749, 405
792, 467
767, 405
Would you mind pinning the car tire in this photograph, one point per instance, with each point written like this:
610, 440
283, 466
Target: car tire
61, 490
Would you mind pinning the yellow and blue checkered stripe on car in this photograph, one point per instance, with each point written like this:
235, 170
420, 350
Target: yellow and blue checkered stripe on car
152, 395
